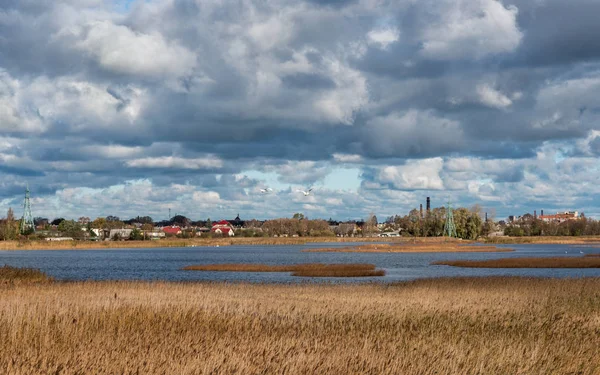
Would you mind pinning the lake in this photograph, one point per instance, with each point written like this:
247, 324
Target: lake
166, 263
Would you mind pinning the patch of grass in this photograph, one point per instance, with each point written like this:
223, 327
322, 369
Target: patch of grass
16, 275
491, 326
555, 262
409, 247
305, 270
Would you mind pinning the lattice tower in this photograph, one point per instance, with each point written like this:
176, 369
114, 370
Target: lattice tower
449, 227
27, 219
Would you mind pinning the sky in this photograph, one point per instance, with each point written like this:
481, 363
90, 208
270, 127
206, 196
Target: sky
131, 108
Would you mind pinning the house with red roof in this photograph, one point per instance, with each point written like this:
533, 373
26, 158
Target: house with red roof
172, 230
222, 227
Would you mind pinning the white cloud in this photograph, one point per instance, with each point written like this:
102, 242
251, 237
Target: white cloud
118, 48
383, 37
471, 29
492, 98
347, 158
176, 163
415, 174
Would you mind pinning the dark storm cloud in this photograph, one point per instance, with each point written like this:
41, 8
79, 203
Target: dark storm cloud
558, 32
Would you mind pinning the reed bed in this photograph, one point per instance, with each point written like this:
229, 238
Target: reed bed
564, 240
442, 326
305, 270
409, 247
554, 262
14, 275
177, 242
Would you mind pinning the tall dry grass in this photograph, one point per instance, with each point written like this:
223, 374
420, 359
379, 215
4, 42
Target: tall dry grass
412, 247
306, 270
554, 262
178, 242
14, 275
444, 326
565, 240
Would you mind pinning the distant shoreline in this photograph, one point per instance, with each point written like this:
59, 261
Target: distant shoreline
266, 241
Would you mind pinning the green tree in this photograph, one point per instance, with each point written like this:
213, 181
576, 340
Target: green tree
136, 235
9, 227
71, 228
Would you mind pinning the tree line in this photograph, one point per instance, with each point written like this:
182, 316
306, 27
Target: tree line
528, 225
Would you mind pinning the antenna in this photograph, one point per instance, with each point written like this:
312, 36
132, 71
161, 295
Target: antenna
27, 225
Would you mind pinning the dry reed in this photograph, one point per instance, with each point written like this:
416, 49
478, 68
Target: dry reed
408, 247
306, 270
564, 240
555, 262
178, 242
14, 275
443, 326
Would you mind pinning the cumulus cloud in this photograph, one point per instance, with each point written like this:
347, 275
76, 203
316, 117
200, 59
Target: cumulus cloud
383, 37
483, 100
472, 29
118, 48
492, 98
415, 175
175, 162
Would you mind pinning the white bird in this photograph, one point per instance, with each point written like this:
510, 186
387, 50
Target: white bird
581, 252
266, 190
306, 193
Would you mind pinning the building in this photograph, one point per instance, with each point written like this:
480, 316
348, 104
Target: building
237, 222
172, 230
560, 217
119, 234
223, 227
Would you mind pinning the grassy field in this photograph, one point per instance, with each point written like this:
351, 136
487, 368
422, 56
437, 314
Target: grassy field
443, 326
306, 270
412, 247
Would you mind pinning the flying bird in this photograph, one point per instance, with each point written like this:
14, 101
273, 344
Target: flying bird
266, 190
306, 193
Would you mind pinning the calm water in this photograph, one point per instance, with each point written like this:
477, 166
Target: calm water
165, 263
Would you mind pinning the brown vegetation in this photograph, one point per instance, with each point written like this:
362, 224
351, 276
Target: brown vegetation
409, 247
14, 275
556, 262
248, 241
443, 326
307, 270
566, 240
